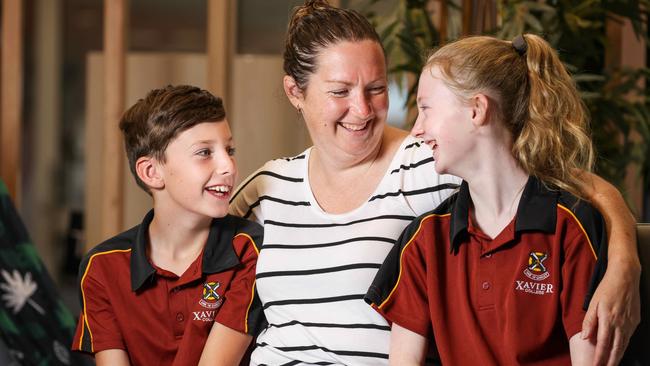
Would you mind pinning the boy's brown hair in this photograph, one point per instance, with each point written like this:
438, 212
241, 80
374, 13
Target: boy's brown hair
153, 122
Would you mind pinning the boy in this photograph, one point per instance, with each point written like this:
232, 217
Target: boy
150, 295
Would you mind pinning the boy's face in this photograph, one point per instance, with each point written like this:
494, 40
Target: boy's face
199, 171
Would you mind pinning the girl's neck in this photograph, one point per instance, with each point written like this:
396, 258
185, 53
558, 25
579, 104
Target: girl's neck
496, 187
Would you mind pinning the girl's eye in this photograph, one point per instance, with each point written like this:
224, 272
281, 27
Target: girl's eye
231, 151
339, 93
204, 152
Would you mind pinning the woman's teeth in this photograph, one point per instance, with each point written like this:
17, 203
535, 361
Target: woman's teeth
353, 127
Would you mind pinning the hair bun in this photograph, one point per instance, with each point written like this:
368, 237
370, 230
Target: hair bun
315, 4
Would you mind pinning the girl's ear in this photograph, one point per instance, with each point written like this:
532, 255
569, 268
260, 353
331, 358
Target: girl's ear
293, 91
148, 170
480, 107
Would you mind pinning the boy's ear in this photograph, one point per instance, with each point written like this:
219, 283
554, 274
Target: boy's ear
480, 109
148, 170
293, 91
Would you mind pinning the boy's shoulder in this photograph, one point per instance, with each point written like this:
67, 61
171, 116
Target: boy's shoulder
111, 252
238, 226
120, 242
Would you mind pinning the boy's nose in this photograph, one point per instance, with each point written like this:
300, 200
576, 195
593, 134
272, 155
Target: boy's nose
225, 164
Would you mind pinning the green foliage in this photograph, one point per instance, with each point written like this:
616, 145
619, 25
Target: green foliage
6, 324
64, 317
618, 105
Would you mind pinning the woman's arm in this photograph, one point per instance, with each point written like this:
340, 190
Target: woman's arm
407, 348
112, 357
224, 347
614, 311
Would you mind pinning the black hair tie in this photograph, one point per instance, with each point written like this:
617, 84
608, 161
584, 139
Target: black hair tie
520, 45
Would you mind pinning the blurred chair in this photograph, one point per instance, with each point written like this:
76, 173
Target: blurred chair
640, 342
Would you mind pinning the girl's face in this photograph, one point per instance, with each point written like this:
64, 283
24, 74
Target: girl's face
346, 99
444, 122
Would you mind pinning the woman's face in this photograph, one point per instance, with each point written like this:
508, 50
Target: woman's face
345, 102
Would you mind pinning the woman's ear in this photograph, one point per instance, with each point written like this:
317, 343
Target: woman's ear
293, 91
148, 170
480, 108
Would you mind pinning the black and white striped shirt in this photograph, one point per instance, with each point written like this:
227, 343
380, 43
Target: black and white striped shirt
314, 268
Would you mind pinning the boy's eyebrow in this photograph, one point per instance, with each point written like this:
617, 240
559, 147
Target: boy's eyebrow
230, 139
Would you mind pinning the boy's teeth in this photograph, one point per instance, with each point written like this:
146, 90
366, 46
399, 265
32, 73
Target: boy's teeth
354, 127
223, 189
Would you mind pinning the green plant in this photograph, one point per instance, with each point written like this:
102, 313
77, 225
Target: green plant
616, 98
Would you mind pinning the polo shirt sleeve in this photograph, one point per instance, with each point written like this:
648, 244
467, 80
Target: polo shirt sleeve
585, 259
398, 291
242, 308
97, 328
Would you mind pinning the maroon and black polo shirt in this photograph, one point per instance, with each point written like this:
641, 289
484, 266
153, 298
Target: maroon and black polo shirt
156, 316
512, 300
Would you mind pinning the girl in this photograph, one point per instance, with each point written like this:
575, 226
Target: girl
501, 272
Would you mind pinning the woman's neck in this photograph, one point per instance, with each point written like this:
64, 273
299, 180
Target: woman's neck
342, 183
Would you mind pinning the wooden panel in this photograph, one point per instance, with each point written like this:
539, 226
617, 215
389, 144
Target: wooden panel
12, 95
115, 20
479, 16
272, 128
219, 46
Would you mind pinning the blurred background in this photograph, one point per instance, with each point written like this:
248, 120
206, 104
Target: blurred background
71, 67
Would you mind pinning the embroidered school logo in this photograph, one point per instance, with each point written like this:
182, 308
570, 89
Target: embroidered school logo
211, 299
536, 270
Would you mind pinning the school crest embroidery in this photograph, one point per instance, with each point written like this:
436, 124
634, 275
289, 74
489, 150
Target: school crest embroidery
536, 270
211, 299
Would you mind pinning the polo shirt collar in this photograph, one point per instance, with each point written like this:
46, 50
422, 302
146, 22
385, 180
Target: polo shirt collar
218, 254
537, 211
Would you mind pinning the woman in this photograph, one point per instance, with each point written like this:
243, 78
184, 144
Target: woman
332, 213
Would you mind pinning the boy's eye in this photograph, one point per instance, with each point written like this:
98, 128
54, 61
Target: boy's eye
231, 151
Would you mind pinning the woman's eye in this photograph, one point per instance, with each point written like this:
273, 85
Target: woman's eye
378, 90
339, 93
231, 151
